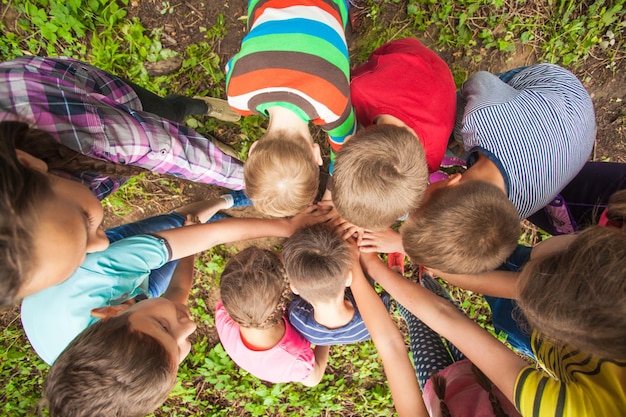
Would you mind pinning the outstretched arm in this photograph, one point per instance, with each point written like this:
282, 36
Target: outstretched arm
500, 364
494, 283
189, 240
389, 342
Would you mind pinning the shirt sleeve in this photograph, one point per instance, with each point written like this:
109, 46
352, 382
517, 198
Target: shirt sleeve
133, 255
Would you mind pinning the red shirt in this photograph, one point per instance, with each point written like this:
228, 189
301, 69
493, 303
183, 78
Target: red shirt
406, 80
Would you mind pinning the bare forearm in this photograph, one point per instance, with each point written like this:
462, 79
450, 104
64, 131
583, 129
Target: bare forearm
494, 283
181, 282
197, 238
391, 348
321, 361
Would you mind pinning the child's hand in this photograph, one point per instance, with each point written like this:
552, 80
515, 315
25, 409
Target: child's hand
355, 254
311, 215
384, 241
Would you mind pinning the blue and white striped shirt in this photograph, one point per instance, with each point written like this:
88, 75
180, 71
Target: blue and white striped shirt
539, 129
301, 316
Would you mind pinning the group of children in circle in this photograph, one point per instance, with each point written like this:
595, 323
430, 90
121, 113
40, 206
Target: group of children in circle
107, 308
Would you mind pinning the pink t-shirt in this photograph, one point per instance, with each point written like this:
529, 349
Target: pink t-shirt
464, 396
406, 80
291, 359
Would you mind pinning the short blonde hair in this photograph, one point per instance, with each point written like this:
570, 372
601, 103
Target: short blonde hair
380, 175
469, 228
281, 176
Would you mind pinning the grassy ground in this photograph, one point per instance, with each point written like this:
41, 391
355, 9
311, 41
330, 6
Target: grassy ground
470, 34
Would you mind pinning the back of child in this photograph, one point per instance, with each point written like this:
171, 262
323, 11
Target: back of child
527, 134
293, 67
574, 300
318, 263
382, 171
251, 323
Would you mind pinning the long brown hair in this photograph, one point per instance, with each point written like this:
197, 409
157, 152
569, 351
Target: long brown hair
61, 158
22, 191
578, 296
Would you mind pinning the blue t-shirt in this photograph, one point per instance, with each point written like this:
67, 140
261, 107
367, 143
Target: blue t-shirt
52, 318
301, 316
539, 130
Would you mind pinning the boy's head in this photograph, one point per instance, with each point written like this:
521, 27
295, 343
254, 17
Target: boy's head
48, 223
318, 263
462, 227
380, 175
254, 288
282, 174
124, 365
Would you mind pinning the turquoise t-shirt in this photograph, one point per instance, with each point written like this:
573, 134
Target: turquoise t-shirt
52, 318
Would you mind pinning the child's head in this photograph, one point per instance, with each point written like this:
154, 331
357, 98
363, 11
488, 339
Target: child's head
380, 175
254, 288
48, 223
282, 174
318, 263
577, 295
466, 228
123, 365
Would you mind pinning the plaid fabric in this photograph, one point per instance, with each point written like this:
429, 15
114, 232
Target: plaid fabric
99, 115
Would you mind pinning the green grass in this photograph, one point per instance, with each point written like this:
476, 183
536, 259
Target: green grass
100, 32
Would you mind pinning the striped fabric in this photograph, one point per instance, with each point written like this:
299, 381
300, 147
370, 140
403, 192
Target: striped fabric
539, 129
573, 383
301, 317
295, 56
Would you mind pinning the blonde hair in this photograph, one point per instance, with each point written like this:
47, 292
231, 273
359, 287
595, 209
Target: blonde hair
380, 175
317, 261
465, 229
281, 176
254, 288
578, 296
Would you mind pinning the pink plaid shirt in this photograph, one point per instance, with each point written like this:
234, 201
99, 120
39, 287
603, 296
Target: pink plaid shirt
99, 115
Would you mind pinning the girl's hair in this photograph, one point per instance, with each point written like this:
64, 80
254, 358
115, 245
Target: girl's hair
254, 288
61, 158
439, 388
22, 191
110, 369
578, 296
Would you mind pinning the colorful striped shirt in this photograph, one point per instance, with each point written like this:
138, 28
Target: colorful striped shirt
572, 383
295, 56
302, 317
539, 130
99, 115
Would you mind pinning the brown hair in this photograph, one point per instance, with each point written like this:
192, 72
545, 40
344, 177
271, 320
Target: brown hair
317, 261
22, 191
254, 288
110, 370
464, 229
380, 175
578, 296
616, 209
281, 176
